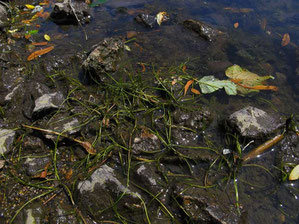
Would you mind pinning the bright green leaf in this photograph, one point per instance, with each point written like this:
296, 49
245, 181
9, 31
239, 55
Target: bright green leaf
209, 84
32, 32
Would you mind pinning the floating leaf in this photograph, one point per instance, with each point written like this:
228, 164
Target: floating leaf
209, 84
47, 37
294, 175
30, 6
188, 84
195, 91
162, 17
247, 81
285, 40
35, 54
236, 25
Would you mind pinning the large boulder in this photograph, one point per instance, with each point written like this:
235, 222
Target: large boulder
3, 15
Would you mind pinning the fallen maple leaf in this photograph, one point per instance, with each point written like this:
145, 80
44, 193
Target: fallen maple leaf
188, 84
37, 53
285, 40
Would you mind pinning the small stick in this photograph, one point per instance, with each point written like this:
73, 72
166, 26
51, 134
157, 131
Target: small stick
86, 145
263, 147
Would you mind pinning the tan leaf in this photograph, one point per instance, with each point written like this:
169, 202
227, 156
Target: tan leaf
294, 175
236, 25
88, 147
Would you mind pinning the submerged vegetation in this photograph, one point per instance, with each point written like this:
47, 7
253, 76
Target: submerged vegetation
149, 143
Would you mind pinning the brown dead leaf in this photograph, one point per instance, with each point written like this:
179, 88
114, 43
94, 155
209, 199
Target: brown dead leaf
69, 174
188, 84
285, 40
88, 147
37, 53
39, 43
263, 23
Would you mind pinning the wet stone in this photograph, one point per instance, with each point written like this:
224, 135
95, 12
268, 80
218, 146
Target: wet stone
71, 12
34, 213
146, 20
33, 144
103, 58
3, 15
146, 174
104, 186
146, 143
203, 30
6, 140
47, 103
289, 152
254, 123
203, 207
34, 166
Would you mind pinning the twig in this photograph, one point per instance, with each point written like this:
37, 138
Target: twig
70, 4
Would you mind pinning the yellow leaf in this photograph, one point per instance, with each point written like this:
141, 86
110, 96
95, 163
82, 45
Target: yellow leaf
294, 175
162, 17
285, 40
47, 37
188, 84
30, 6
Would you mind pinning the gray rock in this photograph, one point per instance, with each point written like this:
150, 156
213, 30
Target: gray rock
70, 12
253, 123
104, 58
34, 166
203, 30
146, 143
34, 213
103, 188
63, 123
146, 20
47, 102
3, 15
202, 206
6, 139
146, 174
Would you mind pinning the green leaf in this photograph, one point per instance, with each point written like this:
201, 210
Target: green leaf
209, 84
32, 32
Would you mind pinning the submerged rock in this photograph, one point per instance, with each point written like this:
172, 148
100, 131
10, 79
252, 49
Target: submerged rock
6, 140
104, 187
146, 20
205, 31
253, 123
3, 15
71, 12
34, 166
103, 58
202, 206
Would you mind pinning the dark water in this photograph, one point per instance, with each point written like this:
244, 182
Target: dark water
255, 45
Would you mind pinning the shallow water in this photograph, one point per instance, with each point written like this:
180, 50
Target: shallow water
255, 44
